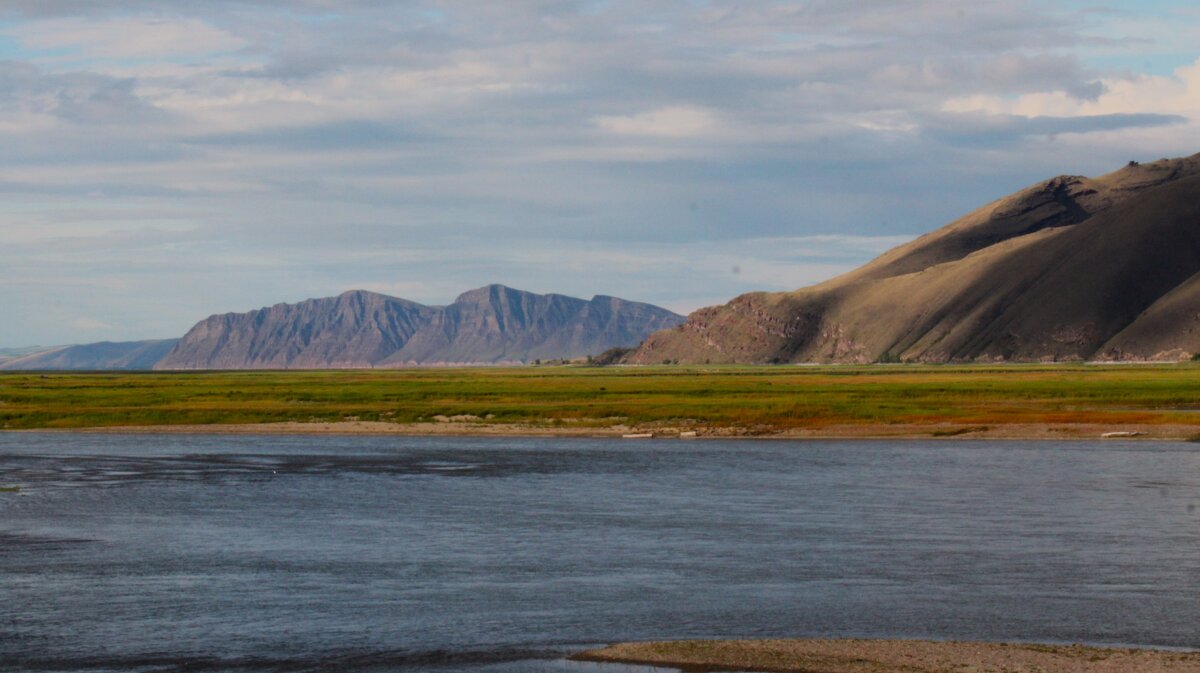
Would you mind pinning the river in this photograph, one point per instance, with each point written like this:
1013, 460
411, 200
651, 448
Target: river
317, 553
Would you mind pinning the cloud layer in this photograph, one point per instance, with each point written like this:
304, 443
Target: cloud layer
166, 160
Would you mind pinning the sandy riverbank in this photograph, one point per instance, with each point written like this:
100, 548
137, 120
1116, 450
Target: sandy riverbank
893, 656
1082, 431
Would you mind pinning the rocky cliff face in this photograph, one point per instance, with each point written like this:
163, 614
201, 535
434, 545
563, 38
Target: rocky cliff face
355, 329
1072, 268
363, 329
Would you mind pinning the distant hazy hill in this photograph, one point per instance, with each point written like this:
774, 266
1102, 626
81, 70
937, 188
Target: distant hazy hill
1072, 268
365, 329
10, 354
105, 355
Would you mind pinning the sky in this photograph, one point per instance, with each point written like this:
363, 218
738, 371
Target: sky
164, 160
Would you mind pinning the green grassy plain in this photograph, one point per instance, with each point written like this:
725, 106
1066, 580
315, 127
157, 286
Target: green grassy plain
754, 399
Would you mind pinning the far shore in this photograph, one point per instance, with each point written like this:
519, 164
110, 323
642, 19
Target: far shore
1013, 431
892, 656
901, 402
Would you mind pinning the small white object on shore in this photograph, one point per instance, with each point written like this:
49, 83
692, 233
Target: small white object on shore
687, 434
638, 435
1120, 433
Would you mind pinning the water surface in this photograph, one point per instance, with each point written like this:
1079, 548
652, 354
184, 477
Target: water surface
220, 553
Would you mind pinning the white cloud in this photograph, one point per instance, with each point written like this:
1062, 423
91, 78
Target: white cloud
1178, 93
676, 121
126, 37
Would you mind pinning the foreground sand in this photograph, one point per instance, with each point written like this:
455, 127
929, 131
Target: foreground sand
881, 431
893, 656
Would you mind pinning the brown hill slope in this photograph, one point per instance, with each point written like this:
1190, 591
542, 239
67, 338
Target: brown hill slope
363, 329
1072, 268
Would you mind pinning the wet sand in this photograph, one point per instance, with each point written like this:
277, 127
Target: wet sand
893, 656
1082, 431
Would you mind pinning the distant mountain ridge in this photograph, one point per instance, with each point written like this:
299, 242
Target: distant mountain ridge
105, 355
9, 354
1072, 268
493, 324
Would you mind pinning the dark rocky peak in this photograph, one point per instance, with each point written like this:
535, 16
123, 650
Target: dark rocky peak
504, 309
483, 294
359, 328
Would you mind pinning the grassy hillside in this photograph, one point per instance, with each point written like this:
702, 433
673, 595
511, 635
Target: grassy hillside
750, 399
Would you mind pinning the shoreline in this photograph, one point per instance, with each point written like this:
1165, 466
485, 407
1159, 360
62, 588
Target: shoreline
887, 403
932, 431
900, 656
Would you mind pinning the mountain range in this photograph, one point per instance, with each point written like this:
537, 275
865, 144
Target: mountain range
1069, 269
1072, 268
493, 324
358, 329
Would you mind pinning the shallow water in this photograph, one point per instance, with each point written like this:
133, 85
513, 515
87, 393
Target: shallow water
161, 553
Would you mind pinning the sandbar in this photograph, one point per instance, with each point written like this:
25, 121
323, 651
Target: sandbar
892, 656
1009, 431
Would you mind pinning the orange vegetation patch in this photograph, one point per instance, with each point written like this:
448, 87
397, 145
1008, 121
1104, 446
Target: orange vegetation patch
892, 656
